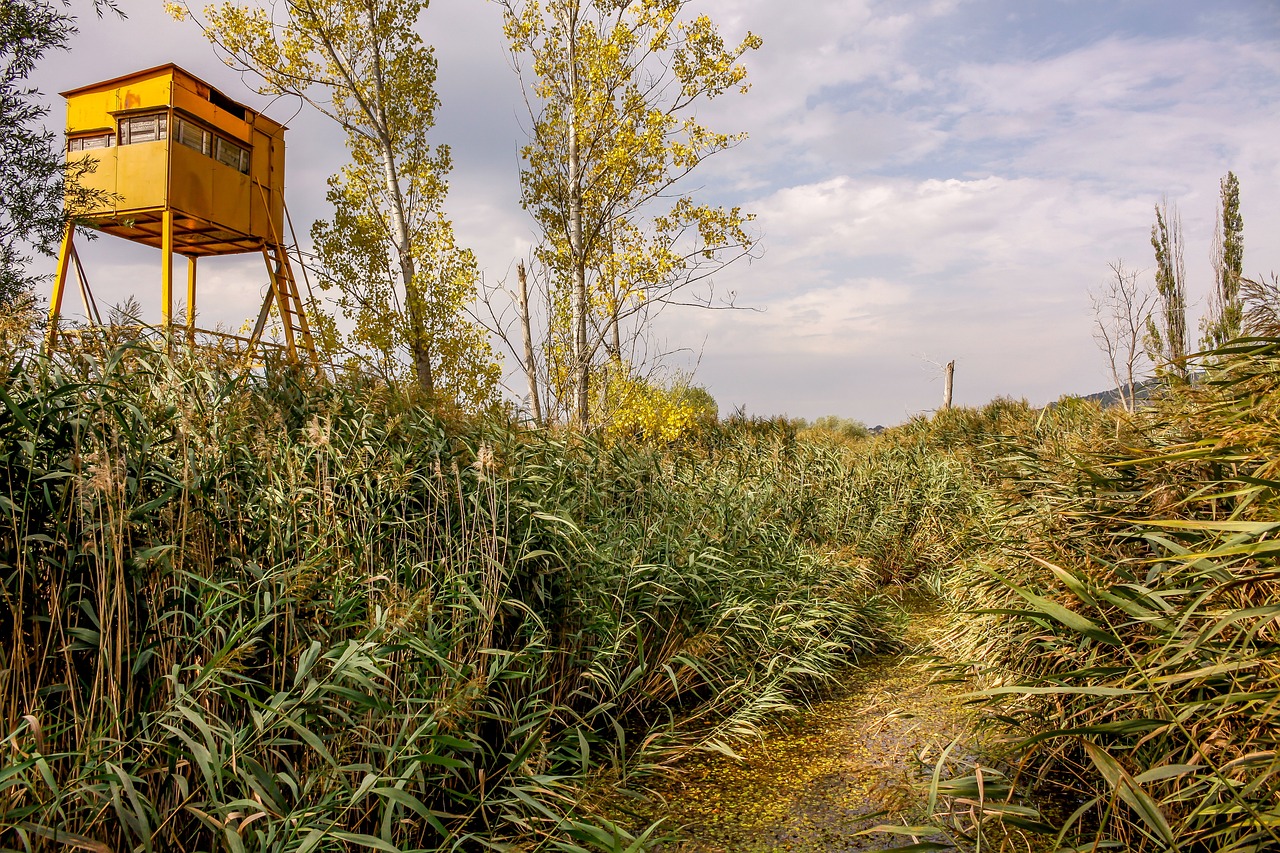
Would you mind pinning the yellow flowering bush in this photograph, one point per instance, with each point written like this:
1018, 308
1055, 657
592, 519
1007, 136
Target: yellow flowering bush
639, 409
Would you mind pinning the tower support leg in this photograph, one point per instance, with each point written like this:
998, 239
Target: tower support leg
59, 286
191, 300
166, 271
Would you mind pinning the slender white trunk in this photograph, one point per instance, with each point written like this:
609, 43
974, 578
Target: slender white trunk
526, 329
578, 308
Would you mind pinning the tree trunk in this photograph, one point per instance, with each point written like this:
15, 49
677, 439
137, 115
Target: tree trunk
422, 369
419, 342
1130, 395
530, 366
579, 297
950, 381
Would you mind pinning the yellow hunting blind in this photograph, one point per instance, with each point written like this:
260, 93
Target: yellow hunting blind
179, 166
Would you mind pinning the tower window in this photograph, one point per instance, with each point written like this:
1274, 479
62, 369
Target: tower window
149, 128
195, 136
210, 144
87, 143
231, 154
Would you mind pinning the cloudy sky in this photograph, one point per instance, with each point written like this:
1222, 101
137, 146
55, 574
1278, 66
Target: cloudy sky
932, 180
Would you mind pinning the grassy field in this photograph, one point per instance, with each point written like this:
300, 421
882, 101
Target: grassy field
249, 613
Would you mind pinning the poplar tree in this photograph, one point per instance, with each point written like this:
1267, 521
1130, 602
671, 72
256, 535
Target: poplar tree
1167, 329
389, 248
1225, 320
613, 91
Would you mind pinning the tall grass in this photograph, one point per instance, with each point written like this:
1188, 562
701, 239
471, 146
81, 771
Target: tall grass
1123, 610
243, 613
899, 505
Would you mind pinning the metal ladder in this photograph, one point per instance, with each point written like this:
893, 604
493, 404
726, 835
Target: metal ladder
287, 299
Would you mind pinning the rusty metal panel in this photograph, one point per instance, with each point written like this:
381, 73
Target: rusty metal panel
91, 112
94, 107
219, 119
146, 93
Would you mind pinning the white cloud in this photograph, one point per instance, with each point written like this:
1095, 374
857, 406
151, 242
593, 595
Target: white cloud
843, 318
868, 277
935, 225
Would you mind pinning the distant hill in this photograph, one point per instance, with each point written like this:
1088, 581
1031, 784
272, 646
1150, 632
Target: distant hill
1142, 391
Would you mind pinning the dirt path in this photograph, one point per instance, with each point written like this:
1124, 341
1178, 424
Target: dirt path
815, 784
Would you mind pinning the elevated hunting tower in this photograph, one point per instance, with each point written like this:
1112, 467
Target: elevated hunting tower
181, 167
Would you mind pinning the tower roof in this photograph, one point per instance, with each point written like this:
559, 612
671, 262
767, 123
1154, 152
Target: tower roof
216, 95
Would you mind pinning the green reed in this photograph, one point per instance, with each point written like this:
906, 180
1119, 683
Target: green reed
244, 612
1122, 609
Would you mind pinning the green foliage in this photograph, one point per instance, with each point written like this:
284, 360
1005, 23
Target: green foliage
242, 613
706, 411
632, 408
31, 164
34, 175
21, 327
636, 409
1225, 320
394, 328
893, 505
1167, 335
835, 426
614, 90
